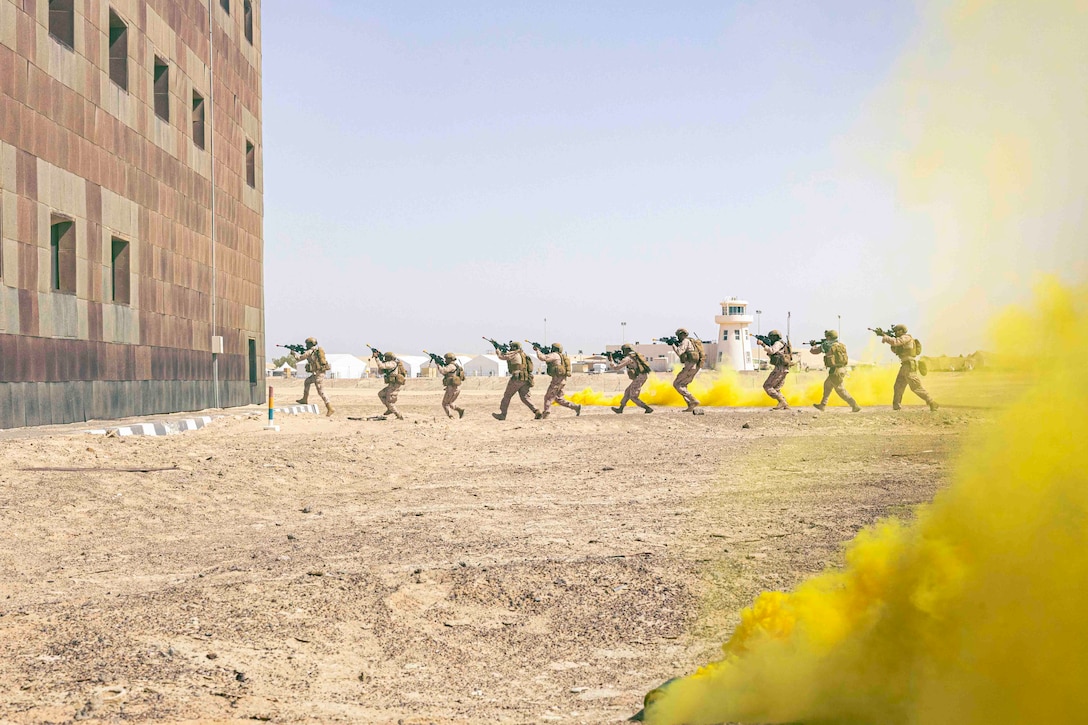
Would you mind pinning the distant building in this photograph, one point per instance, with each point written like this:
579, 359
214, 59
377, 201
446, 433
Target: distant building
734, 348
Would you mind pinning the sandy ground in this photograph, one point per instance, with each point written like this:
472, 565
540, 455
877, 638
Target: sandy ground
424, 570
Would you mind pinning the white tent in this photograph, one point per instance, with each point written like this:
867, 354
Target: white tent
413, 363
485, 366
341, 365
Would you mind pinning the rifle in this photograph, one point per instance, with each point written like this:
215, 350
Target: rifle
822, 343
439, 361
500, 346
881, 331
374, 352
546, 349
615, 356
765, 339
673, 341
296, 349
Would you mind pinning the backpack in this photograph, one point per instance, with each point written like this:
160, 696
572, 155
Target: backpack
839, 358
917, 346
528, 363
700, 353
641, 366
320, 363
566, 365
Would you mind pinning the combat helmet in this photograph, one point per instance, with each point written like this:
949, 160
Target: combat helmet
774, 334
899, 329
515, 345
311, 342
556, 347
831, 335
449, 357
388, 356
625, 347
681, 333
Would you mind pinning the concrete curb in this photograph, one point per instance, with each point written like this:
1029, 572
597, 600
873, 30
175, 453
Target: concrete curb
158, 428
296, 409
170, 427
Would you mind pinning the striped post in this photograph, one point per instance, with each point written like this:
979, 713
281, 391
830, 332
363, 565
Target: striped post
271, 412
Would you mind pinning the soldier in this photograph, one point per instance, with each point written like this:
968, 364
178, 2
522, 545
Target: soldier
559, 369
521, 380
781, 357
638, 369
690, 351
317, 365
452, 377
835, 360
395, 374
907, 350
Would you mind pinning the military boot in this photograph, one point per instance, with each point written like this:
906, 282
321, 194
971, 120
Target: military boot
577, 410
933, 405
499, 416
617, 410
819, 406
460, 412
856, 408
329, 410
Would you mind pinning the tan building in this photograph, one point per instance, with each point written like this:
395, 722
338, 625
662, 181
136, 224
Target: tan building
131, 207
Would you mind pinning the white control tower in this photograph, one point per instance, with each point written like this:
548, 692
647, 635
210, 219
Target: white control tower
734, 340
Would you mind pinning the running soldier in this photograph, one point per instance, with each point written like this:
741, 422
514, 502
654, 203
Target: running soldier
317, 365
835, 360
638, 370
521, 379
907, 349
781, 357
559, 369
690, 351
395, 374
452, 377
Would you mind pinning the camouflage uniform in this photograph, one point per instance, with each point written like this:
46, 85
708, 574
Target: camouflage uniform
774, 382
557, 369
685, 350
452, 375
317, 373
638, 374
394, 381
835, 375
521, 380
903, 346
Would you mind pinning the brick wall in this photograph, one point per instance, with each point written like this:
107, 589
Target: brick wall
75, 146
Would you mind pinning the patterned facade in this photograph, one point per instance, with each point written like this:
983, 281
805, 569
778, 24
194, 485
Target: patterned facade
122, 126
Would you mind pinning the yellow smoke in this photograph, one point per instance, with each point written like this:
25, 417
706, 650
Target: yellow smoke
974, 613
868, 385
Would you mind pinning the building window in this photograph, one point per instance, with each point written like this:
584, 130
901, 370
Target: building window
225, 4
62, 21
736, 334
120, 269
247, 20
198, 120
725, 335
251, 164
118, 50
162, 89
736, 310
62, 255
252, 361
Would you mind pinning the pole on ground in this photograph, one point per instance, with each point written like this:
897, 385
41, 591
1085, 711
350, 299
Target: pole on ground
271, 412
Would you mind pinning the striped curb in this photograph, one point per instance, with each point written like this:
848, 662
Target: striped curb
296, 409
159, 428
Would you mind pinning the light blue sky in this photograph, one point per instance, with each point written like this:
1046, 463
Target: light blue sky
439, 171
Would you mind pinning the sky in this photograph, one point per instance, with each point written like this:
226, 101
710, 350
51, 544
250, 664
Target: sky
437, 172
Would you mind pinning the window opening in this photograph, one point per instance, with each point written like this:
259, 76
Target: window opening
120, 270
162, 89
62, 254
198, 120
62, 21
118, 50
251, 164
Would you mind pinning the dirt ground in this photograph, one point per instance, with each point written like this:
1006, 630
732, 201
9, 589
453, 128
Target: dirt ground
424, 570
